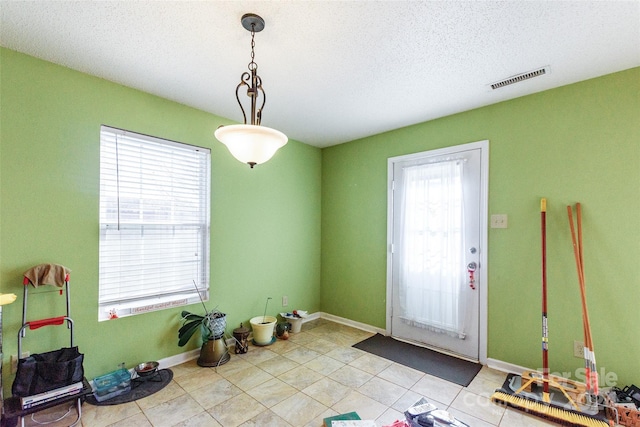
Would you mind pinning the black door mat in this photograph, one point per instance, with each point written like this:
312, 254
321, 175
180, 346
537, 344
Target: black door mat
140, 388
449, 368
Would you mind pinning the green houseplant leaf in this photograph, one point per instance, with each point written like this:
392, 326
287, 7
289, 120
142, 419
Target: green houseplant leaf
190, 316
187, 330
192, 322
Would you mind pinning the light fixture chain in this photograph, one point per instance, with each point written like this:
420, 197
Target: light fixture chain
252, 64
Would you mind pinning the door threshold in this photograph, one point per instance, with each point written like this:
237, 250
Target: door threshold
437, 349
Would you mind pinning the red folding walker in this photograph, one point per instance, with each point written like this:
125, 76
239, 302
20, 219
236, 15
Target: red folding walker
14, 406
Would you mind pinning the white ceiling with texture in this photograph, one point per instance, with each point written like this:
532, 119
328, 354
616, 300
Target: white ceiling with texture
333, 71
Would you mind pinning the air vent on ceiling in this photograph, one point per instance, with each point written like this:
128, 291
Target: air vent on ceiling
520, 77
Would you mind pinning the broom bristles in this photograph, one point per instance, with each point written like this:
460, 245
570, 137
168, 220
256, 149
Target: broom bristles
547, 411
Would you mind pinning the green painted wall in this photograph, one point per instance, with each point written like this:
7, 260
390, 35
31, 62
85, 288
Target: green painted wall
577, 143
265, 222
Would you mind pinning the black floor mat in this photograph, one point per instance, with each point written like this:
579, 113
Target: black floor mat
431, 362
140, 388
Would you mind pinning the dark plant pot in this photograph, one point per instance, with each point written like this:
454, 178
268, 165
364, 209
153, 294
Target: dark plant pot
213, 353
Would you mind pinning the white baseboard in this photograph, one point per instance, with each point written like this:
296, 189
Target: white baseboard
312, 316
177, 359
509, 368
352, 323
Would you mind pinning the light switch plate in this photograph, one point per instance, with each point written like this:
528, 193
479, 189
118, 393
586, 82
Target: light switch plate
499, 221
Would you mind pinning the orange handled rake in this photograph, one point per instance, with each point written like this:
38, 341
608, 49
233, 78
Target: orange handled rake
591, 373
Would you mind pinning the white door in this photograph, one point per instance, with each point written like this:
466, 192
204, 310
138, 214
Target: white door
437, 236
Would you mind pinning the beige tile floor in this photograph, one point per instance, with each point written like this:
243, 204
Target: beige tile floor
297, 383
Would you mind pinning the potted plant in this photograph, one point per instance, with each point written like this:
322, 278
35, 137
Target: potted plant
212, 326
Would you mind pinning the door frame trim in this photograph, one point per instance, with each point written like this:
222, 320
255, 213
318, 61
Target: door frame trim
484, 209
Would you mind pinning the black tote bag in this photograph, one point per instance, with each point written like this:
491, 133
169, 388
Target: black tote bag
43, 372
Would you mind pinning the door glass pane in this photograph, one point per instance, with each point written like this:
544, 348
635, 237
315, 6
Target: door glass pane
432, 247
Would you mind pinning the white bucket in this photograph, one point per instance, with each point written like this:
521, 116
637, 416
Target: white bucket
296, 324
262, 327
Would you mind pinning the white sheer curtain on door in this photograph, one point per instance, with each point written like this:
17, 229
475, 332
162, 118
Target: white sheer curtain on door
431, 241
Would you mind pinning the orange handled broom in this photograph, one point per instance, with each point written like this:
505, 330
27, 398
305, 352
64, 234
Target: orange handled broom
545, 329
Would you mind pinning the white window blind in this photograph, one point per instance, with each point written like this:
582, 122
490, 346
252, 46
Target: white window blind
154, 223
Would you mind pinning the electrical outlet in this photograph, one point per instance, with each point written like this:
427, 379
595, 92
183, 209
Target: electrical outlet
578, 349
285, 301
14, 361
499, 221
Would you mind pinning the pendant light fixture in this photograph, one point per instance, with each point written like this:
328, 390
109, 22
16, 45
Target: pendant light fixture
251, 143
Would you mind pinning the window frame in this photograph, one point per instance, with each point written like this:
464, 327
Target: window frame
157, 224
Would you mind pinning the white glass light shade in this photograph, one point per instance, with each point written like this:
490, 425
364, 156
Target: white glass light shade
251, 144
